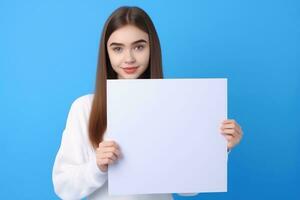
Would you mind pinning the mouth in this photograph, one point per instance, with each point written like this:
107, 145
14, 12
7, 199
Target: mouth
130, 70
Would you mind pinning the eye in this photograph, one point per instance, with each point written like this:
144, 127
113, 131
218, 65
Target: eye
117, 49
139, 47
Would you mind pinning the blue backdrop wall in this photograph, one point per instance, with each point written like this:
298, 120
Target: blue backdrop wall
48, 55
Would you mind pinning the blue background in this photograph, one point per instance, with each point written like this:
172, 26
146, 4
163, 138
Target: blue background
48, 55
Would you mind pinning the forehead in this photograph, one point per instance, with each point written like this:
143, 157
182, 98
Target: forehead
127, 35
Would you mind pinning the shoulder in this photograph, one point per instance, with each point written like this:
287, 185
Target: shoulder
82, 104
83, 100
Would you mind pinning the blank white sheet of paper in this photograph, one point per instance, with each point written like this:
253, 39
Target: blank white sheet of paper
168, 131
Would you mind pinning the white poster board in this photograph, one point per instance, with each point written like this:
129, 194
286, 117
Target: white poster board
169, 134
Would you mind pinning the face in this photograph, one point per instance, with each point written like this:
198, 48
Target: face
129, 51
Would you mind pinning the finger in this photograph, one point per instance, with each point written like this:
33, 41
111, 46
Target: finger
233, 139
228, 137
230, 145
106, 161
109, 149
234, 131
108, 155
228, 131
108, 144
111, 143
105, 144
226, 121
230, 125
114, 150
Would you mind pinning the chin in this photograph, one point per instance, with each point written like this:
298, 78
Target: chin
130, 76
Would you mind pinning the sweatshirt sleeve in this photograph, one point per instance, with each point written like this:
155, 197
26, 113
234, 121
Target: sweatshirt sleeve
75, 175
187, 194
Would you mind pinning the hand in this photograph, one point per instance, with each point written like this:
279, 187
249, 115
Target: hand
107, 153
232, 132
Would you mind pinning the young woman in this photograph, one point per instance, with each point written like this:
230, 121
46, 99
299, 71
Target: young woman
129, 49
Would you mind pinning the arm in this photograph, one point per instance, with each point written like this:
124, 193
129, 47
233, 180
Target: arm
75, 175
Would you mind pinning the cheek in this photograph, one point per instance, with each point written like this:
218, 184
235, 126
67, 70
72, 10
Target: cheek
143, 58
115, 60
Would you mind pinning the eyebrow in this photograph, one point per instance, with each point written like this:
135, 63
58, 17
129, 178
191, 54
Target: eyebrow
135, 42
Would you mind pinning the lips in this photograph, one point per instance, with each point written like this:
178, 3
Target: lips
130, 70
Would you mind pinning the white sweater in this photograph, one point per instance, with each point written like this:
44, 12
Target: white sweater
75, 172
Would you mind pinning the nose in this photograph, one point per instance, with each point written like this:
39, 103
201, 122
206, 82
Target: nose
129, 57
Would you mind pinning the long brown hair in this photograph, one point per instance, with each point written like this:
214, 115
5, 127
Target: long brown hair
119, 18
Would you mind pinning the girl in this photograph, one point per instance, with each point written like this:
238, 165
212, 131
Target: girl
129, 49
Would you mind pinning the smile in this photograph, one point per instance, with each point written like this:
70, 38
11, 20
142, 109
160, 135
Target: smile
130, 70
